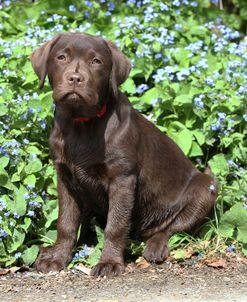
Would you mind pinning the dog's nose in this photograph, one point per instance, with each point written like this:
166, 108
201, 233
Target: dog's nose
75, 78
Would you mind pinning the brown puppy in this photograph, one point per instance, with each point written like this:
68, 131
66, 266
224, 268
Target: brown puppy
111, 162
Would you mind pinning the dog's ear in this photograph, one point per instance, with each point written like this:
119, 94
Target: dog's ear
120, 67
39, 59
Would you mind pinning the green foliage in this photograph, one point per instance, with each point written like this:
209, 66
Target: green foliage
188, 77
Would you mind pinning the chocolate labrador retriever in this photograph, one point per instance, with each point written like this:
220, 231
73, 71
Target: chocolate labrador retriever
111, 162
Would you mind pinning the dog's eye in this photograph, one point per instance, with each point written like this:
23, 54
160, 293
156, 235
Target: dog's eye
61, 58
96, 61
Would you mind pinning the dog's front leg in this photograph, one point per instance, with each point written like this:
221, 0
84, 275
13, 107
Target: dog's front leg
121, 201
57, 257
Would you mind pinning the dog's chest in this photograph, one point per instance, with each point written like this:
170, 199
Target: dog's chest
84, 162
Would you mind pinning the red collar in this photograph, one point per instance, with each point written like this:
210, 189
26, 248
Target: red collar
86, 119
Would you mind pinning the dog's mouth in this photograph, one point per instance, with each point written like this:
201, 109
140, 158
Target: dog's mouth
76, 98
85, 103
72, 97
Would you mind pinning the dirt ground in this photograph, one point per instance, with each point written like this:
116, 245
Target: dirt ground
185, 281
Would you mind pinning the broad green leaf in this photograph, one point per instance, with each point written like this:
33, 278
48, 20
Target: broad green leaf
30, 180
52, 216
218, 164
30, 255
244, 249
16, 240
3, 177
4, 161
200, 136
19, 204
52, 235
3, 109
33, 166
33, 150
179, 254
195, 150
183, 140
151, 94
183, 99
128, 86
235, 220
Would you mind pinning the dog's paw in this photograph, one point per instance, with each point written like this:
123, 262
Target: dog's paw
108, 269
51, 259
156, 253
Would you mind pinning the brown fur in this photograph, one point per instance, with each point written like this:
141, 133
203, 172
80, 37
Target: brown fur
120, 167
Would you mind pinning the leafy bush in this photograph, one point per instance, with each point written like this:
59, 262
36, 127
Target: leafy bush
188, 77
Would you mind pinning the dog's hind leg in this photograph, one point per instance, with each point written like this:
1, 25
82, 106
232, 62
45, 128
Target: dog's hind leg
198, 199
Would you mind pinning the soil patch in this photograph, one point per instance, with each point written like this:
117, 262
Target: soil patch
186, 281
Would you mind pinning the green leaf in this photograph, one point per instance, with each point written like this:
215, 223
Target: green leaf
3, 109
16, 241
151, 94
19, 204
52, 216
94, 257
26, 224
3, 177
179, 254
4, 161
218, 164
128, 86
200, 136
30, 180
52, 235
183, 139
195, 150
33, 166
235, 220
244, 249
33, 150
183, 99
30, 255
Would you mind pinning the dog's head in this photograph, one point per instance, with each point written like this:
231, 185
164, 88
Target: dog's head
83, 70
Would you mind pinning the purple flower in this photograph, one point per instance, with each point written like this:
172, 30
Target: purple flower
111, 6
16, 215
30, 213
88, 3
232, 164
231, 248
82, 253
158, 56
141, 88
163, 7
198, 101
17, 255
3, 233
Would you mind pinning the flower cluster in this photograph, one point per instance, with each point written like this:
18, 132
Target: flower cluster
82, 253
187, 73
